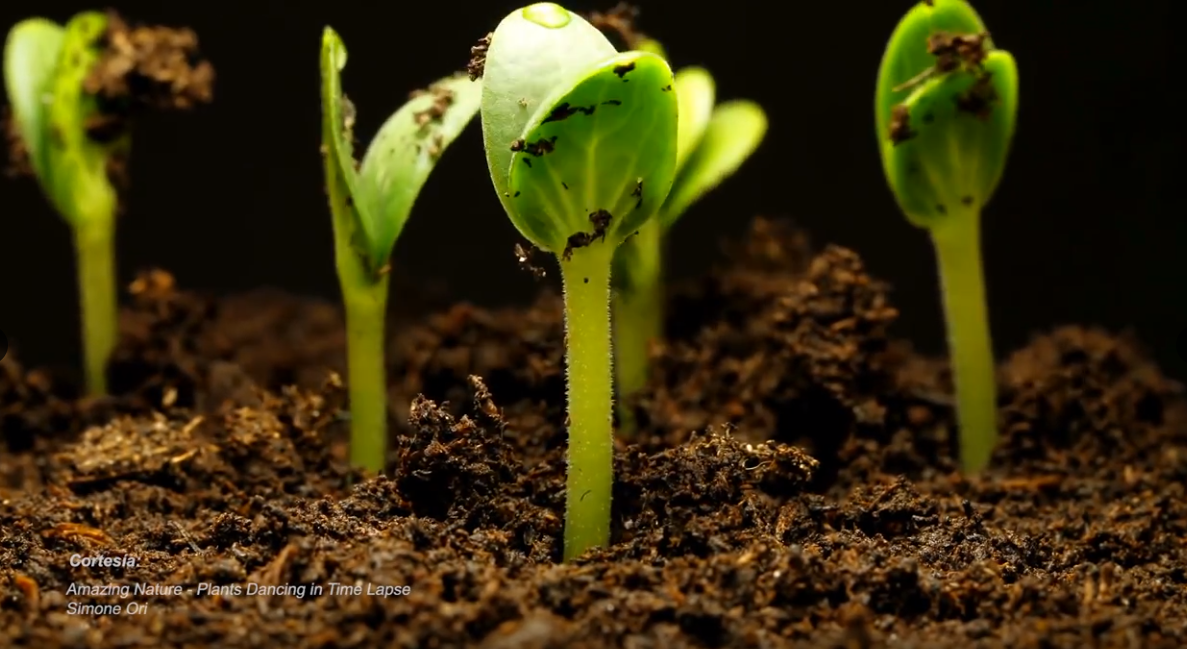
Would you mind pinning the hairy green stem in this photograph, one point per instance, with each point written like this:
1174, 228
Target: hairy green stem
94, 249
586, 278
958, 249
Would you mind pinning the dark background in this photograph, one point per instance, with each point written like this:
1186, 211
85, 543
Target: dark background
1085, 227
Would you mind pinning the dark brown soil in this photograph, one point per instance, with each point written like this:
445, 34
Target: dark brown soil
206, 467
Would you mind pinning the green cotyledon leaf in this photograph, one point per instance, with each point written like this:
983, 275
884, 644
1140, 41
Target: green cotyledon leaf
696, 92
338, 149
77, 164
533, 52
945, 109
30, 59
405, 151
734, 132
958, 139
599, 157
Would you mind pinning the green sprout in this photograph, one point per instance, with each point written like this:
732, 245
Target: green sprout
581, 145
946, 106
712, 142
45, 68
370, 202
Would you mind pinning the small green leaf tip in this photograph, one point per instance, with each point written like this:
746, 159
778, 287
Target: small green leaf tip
379, 193
945, 106
30, 58
45, 66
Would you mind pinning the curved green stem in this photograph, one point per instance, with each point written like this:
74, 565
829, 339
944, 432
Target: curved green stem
957, 240
94, 249
586, 278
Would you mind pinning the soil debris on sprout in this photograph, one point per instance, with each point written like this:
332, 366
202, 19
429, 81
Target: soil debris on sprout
793, 484
525, 256
18, 164
477, 63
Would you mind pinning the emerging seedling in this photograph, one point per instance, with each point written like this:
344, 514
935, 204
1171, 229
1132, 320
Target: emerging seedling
581, 145
370, 202
73, 131
712, 142
946, 105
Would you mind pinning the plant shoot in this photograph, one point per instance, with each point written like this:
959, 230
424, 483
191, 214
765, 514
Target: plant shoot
370, 202
713, 140
581, 145
45, 68
945, 107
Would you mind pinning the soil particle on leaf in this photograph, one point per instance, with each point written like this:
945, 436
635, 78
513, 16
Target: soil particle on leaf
828, 515
565, 111
954, 50
477, 64
900, 124
443, 98
18, 163
524, 256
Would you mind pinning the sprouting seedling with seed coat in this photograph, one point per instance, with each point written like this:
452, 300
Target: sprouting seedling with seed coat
713, 141
945, 107
581, 145
370, 202
45, 69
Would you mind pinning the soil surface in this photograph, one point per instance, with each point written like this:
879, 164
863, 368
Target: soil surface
792, 485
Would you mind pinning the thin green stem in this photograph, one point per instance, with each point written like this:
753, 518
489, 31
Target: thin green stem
638, 314
586, 278
94, 249
366, 308
958, 249
364, 296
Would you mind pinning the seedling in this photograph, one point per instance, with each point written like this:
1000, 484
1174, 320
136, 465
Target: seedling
581, 145
45, 68
946, 106
712, 142
370, 203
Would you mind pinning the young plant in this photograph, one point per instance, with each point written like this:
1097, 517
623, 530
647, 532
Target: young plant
946, 105
45, 68
712, 142
370, 202
581, 145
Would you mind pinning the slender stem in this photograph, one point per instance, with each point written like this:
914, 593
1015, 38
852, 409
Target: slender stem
958, 250
94, 249
638, 314
364, 296
366, 308
586, 280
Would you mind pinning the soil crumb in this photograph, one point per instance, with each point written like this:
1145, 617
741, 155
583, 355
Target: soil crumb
150, 66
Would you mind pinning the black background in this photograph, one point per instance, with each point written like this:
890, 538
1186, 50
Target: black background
1085, 227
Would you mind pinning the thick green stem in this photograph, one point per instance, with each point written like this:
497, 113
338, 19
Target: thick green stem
958, 249
586, 279
638, 313
94, 249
